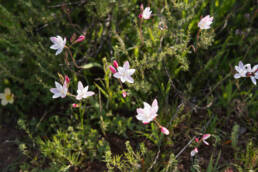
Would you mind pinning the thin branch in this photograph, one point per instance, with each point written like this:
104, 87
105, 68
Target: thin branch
78, 3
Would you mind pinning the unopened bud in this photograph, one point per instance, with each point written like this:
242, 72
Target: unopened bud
164, 130
74, 105
113, 70
66, 81
124, 93
141, 7
115, 64
80, 39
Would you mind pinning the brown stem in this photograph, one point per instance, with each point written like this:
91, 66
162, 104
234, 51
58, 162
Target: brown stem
157, 123
70, 53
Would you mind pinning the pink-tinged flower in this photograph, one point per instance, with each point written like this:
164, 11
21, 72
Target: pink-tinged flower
205, 22
204, 138
112, 69
124, 73
164, 130
80, 39
194, 152
58, 44
148, 113
241, 69
124, 93
115, 64
253, 73
146, 14
7, 97
59, 91
83, 92
74, 105
196, 140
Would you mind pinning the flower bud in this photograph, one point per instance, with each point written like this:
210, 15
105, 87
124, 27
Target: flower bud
66, 81
115, 64
142, 7
124, 93
196, 140
113, 70
164, 130
80, 39
74, 105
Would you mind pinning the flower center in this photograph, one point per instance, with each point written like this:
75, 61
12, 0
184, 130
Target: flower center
8, 97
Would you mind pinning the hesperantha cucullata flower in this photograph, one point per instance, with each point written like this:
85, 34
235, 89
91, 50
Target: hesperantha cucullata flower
198, 142
205, 22
6, 97
60, 90
246, 71
82, 92
122, 73
145, 13
58, 44
149, 113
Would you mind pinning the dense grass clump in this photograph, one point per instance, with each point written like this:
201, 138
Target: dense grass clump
188, 70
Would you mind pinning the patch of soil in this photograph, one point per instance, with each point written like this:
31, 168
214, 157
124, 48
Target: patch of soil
9, 152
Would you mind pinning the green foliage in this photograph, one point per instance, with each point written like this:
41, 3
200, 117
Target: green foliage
235, 136
130, 161
213, 167
189, 71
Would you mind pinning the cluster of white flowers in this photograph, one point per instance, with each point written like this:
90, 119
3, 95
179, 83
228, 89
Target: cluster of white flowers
62, 90
246, 71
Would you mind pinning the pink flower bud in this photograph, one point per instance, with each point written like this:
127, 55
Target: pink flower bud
80, 39
124, 93
115, 64
197, 140
140, 16
141, 7
113, 70
67, 81
74, 105
164, 130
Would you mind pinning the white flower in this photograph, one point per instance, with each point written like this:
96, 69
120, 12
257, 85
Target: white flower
124, 73
83, 92
7, 97
59, 91
146, 14
242, 70
58, 44
253, 72
148, 113
205, 22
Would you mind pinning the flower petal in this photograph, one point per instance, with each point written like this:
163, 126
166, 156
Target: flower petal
253, 80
